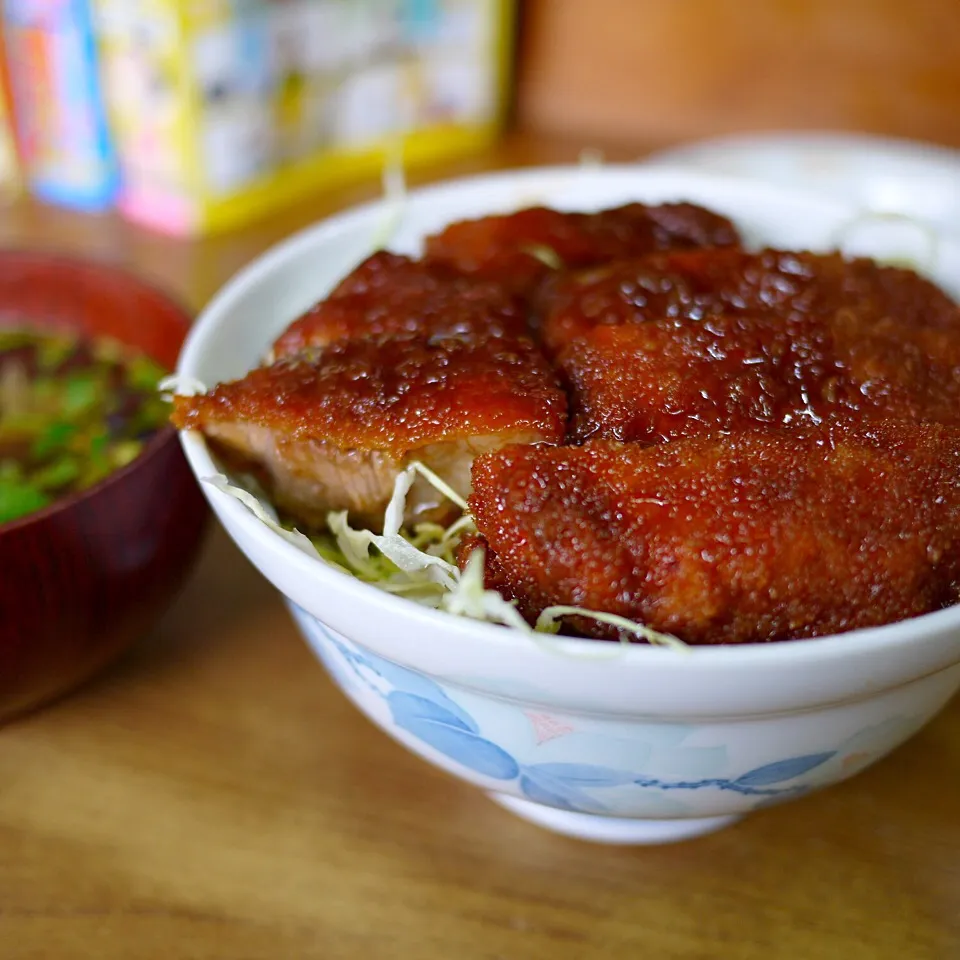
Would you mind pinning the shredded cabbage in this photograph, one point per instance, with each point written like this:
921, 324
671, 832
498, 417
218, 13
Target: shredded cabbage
546, 255
549, 622
441, 486
470, 598
178, 383
420, 565
928, 239
265, 514
394, 183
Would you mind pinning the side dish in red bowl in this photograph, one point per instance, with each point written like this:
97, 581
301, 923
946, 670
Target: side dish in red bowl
100, 517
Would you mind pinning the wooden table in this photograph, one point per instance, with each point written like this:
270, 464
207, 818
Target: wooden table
214, 797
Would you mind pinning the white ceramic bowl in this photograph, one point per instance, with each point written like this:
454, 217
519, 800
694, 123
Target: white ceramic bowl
620, 744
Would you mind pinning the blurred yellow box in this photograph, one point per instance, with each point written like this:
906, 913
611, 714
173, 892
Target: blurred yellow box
11, 177
10, 182
225, 109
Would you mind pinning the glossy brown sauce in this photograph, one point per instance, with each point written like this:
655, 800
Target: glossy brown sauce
726, 445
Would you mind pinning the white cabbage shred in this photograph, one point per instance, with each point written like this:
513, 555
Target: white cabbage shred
180, 384
546, 255
394, 184
420, 565
921, 254
549, 622
264, 513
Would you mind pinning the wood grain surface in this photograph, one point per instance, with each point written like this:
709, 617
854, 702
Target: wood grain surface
669, 71
214, 797
112, 571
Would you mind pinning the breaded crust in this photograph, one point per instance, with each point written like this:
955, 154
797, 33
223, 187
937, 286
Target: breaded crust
510, 248
391, 294
392, 394
331, 430
668, 378
697, 284
751, 537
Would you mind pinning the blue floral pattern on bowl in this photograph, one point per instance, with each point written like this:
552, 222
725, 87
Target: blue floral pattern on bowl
548, 759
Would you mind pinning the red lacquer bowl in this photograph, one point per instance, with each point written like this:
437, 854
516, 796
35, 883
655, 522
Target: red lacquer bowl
88, 575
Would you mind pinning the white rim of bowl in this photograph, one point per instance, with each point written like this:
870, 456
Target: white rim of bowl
841, 646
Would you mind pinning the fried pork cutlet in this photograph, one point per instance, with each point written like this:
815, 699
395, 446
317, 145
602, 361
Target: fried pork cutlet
330, 430
749, 537
516, 248
664, 379
392, 294
697, 284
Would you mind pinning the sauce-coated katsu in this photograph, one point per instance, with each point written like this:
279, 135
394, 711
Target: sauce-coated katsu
331, 430
669, 378
520, 249
389, 294
649, 420
694, 285
746, 537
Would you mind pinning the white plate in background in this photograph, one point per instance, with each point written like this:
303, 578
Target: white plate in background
881, 176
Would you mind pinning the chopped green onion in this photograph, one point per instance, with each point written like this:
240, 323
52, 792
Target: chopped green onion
51, 351
71, 412
18, 499
54, 437
143, 373
59, 473
124, 452
80, 392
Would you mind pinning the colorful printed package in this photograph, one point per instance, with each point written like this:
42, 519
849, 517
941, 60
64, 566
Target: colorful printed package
225, 109
60, 119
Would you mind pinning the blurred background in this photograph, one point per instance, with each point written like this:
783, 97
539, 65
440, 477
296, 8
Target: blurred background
661, 71
197, 116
